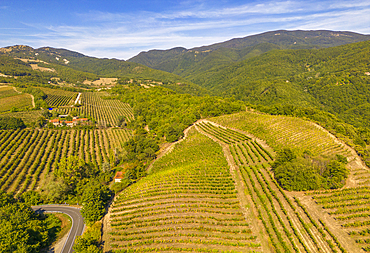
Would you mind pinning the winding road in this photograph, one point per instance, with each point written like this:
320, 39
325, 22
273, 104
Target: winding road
78, 224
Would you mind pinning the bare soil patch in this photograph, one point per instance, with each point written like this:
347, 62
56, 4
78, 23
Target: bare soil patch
101, 81
36, 67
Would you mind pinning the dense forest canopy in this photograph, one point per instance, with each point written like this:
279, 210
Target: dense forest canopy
168, 113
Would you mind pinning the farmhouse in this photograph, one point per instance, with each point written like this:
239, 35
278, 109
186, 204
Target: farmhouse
118, 177
55, 122
75, 121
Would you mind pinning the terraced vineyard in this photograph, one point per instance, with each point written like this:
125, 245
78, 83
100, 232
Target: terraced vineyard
289, 225
27, 156
281, 131
361, 176
104, 111
351, 210
57, 97
189, 203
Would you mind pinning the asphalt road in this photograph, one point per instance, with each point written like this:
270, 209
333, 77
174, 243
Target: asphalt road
77, 222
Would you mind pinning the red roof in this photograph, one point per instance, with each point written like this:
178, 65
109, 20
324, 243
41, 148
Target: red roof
119, 175
83, 119
54, 120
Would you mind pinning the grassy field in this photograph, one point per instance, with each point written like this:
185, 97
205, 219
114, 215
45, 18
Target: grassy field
7, 91
188, 203
19, 101
28, 117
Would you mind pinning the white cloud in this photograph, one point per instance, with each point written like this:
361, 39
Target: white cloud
122, 35
349, 4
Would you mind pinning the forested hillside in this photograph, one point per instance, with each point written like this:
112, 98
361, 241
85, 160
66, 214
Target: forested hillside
43, 65
333, 79
185, 62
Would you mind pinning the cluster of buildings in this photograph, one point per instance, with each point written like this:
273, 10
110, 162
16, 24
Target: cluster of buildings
74, 122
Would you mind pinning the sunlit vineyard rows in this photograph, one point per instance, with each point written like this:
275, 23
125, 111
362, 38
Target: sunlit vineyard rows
351, 210
104, 111
286, 221
27, 156
59, 97
188, 203
281, 131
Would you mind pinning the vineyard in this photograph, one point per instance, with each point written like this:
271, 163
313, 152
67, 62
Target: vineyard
57, 97
281, 131
350, 208
189, 203
27, 156
104, 111
287, 222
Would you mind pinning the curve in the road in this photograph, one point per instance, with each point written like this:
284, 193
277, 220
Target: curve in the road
78, 224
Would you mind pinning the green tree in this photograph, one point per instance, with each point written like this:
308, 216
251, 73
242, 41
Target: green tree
21, 229
55, 189
121, 121
7, 123
32, 198
73, 169
40, 122
47, 114
89, 241
94, 198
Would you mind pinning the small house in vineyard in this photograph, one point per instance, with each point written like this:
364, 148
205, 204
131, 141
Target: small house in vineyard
119, 176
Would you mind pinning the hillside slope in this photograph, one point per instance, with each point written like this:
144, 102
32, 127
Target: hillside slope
75, 67
184, 61
295, 222
189, 203
334, 79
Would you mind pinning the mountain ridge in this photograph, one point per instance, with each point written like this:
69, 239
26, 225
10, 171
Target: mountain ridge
181, 62
101, 67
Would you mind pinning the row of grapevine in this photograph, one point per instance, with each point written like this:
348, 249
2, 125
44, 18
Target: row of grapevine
104, 111
282, 131
58, 100
288, 223
350, 208
188, 203
223, 134
247, 151
57, 97
26, 156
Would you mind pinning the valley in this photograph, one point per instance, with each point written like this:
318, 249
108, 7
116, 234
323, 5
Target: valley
256, 144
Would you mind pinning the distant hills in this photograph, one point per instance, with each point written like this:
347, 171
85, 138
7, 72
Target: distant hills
75, 66
325, 70
336, 80
185, 62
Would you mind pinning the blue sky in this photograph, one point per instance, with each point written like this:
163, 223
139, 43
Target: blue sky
122, 29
